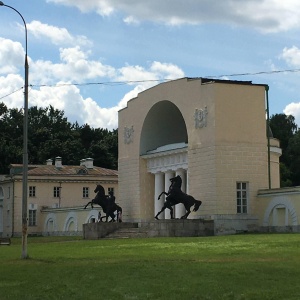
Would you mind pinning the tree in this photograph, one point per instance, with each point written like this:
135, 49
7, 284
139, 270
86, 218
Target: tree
11, 137
50, 134
293, 154
47, 130
284, 128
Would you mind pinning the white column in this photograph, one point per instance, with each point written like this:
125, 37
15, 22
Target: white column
159, 187
168, 176
187, 181
179, 208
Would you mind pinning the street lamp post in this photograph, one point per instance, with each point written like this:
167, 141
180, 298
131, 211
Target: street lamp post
25, 145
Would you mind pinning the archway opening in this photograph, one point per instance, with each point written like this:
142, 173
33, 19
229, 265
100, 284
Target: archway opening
163, 125
50, 225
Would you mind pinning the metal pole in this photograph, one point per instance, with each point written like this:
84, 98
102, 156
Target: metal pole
268, 135
25, 145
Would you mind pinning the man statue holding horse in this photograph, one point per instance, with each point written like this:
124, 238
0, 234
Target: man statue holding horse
175, 196
107, 203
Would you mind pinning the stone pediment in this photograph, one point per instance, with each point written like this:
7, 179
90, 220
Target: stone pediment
167, 157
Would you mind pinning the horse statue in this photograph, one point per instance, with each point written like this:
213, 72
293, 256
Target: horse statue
107, 203
175, 196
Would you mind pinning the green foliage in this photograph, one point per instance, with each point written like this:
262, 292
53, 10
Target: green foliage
285, 176
283, 128
293, 153
286, 131
11, 137
50, 134
224, 267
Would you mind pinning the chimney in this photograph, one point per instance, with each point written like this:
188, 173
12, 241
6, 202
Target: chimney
49, 162
58, 163
87, 162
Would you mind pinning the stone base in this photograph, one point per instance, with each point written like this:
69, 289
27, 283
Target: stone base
157, 228
94, 231
179, 228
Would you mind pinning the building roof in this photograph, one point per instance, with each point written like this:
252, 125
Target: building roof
226, 81
52, 170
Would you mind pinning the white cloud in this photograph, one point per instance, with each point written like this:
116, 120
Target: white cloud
75, 66
264, 15
103, 7
157, 71
170, 71
134, 73
131, 20
58, 36
12, 85
291, 56
11, 56
294, 110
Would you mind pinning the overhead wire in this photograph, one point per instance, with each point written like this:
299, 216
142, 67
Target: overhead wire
11, 93
258, 73
116, 83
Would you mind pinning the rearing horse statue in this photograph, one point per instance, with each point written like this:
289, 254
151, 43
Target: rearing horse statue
107, 203
175, 196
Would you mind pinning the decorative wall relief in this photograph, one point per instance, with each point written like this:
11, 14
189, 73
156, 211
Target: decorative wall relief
128, 135
200, 117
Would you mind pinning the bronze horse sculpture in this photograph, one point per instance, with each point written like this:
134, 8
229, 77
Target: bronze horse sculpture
175, 196
107, 203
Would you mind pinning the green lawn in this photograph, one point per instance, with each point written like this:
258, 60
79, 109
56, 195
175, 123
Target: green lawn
226, 267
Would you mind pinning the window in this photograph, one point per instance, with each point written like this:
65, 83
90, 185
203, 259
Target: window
242, 197
32, 214
32, 191
56, 192
111, 189
85, 192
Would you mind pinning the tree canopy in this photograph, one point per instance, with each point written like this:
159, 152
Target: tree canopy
286, 131
50, 134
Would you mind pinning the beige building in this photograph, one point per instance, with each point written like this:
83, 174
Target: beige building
57, 194
214, 134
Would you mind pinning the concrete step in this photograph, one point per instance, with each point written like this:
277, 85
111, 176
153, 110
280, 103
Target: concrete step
123, 233
129, 225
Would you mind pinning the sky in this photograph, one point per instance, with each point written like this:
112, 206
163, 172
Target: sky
89, 57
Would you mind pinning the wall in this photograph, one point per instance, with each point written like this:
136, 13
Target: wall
231, 146
279, 207
67, 221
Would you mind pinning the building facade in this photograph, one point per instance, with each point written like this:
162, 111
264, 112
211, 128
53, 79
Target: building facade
57, 195
213, 133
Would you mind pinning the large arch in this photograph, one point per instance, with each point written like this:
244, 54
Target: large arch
163, 144
163, 125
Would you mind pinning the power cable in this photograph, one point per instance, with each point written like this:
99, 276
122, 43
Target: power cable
11, 93
116, 83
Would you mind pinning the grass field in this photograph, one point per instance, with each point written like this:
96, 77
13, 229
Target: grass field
225, 267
